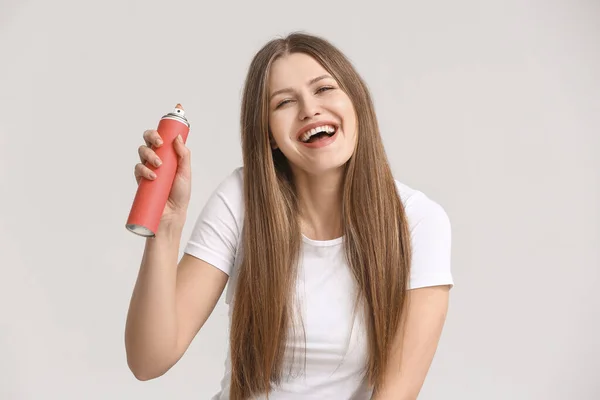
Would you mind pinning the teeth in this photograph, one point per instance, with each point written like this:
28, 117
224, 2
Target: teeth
325, 128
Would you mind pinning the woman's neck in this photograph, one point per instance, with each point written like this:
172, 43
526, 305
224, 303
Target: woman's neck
320, 203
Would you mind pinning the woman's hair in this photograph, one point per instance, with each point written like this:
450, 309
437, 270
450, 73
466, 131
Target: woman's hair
376, 239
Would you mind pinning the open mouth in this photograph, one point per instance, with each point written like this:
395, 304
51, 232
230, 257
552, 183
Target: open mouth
318, 133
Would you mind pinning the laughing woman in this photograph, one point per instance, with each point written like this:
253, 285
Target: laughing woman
339, 274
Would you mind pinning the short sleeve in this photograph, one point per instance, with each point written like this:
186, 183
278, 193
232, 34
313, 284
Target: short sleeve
216, 233
430, 232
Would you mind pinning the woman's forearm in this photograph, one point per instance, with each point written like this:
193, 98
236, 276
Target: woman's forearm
151, 327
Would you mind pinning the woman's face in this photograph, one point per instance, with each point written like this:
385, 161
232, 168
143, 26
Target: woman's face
313, 122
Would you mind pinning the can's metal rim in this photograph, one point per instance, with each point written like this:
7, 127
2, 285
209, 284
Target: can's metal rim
177, 118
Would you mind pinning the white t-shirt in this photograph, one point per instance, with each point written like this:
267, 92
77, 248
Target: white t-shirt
336, 346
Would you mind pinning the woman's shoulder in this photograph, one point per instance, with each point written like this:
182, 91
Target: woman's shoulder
431, 238
230, 189
233, 181
226, 200
420, 206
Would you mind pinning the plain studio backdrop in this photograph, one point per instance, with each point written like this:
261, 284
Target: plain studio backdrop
490, 108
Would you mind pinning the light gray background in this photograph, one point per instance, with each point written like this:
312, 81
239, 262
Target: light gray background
491, 108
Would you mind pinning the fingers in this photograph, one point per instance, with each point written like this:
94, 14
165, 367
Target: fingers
184, 163
141, 171
152, 137
148, 155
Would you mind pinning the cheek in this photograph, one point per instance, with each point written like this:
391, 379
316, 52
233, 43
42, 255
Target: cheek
349, 116
344, 108
272, 126
281, 125
278, 128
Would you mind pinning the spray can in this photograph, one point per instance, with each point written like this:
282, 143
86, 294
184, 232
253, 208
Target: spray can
152, 195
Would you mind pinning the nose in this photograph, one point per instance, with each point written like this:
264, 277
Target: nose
309, 107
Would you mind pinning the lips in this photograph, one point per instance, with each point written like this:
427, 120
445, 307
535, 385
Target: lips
317, 124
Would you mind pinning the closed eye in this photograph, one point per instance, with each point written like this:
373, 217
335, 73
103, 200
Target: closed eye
282, 103
324, 89
319, 90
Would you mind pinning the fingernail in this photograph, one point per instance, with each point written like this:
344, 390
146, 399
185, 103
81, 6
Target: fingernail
179, 138
152, 175
157, 162
159, 142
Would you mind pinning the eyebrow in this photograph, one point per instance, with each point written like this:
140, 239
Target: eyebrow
312, 81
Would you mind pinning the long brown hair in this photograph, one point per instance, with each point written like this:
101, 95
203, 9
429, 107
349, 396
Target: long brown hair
376, 238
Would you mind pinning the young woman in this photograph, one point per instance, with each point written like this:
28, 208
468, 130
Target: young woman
338, 274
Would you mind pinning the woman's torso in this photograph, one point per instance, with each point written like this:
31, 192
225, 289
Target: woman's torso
333, 364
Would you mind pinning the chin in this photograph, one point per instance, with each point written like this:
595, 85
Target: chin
324, 167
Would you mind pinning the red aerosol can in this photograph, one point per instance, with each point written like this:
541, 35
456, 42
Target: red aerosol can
152, 195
